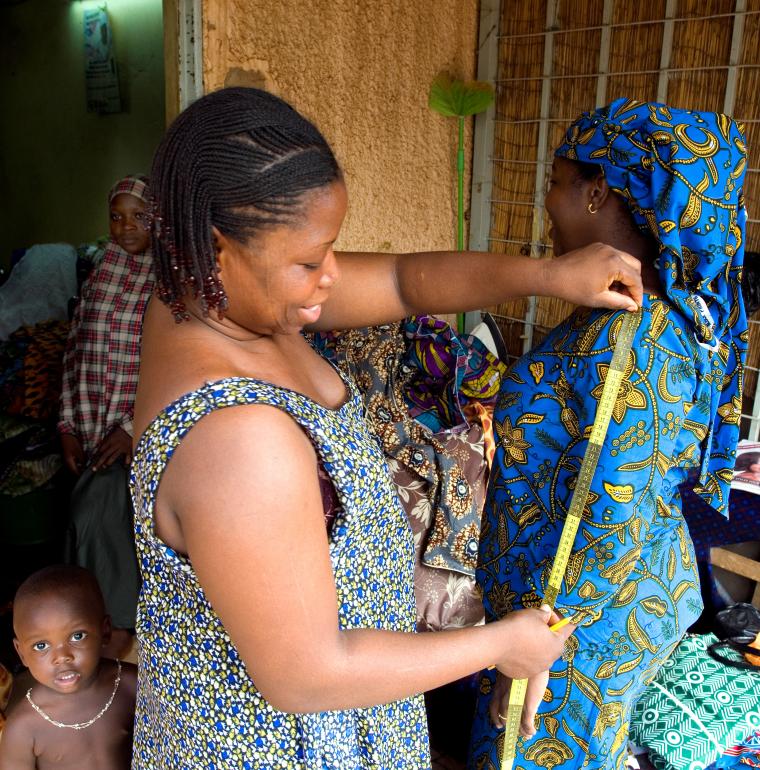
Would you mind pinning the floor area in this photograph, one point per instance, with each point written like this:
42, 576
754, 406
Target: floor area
450, 710
445, 762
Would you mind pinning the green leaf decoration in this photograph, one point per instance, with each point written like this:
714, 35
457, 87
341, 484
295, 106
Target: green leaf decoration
455, 98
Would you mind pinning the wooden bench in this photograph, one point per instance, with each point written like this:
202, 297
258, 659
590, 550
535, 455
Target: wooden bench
739, 565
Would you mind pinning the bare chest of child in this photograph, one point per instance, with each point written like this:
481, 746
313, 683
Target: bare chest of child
105, 745
42, 732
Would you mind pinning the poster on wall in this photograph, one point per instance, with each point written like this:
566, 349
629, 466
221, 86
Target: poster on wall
101, 79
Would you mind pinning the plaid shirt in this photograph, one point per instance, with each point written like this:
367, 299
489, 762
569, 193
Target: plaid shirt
102, 357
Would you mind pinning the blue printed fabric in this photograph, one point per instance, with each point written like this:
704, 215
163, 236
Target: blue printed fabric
682, 174
743, 755
631, 582
197, 707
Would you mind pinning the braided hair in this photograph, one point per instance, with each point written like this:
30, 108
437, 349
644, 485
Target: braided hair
239, 160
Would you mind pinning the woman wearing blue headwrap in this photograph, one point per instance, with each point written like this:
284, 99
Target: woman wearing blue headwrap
666, 186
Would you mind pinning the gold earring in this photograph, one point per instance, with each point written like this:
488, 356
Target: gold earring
590, 209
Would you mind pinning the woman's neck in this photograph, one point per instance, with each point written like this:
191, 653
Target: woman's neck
220, 325
650, 278
644, 248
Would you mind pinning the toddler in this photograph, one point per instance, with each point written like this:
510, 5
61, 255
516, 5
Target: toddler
80, 711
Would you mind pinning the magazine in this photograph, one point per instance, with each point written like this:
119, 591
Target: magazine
747, 467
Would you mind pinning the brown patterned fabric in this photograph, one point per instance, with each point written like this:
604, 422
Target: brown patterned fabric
445, 599
43, 366
440, 477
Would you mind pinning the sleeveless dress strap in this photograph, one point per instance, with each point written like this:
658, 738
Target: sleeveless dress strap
171, 425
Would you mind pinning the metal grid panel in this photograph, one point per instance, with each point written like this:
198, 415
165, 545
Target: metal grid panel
552, 60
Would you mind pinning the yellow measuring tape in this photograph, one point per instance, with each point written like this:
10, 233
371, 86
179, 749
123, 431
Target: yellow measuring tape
610, 391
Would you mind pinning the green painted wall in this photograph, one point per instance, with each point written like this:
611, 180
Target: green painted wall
57, 161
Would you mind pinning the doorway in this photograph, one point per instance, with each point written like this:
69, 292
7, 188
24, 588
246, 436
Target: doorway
57, 159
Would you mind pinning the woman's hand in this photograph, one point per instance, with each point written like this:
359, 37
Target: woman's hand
118, 443
73, 453
531, 646
596, 276
537, 680
533, 696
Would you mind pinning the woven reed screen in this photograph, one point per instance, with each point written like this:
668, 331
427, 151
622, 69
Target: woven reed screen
558, 58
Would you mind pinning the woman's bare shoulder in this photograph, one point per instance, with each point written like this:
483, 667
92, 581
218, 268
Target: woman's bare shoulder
233, 445
175, 361
246, 433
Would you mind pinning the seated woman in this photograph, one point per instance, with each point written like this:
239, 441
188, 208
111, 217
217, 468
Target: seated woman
666, 186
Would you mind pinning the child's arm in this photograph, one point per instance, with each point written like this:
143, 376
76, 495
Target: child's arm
16, 743
129, 682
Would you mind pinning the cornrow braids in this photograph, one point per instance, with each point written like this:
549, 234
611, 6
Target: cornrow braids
239, 160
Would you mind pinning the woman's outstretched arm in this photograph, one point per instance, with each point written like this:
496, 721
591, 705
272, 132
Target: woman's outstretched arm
379, 288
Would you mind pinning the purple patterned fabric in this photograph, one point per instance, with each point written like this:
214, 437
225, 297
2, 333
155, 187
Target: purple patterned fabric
446, 372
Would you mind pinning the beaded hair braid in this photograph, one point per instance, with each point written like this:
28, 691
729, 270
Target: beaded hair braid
240, 160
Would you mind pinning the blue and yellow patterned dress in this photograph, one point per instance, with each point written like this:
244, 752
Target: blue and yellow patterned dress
197, 708
631, 583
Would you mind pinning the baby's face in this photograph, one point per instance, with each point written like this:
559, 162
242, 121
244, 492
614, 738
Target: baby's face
60, 642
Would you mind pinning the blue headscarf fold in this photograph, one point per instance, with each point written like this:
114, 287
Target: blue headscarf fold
681, 173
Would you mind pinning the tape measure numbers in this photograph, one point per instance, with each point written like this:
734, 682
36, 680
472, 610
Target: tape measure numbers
612, 382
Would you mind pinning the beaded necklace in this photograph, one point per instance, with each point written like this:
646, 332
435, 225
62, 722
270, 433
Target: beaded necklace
78, 725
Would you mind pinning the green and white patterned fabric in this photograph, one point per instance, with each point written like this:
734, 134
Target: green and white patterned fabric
694, 708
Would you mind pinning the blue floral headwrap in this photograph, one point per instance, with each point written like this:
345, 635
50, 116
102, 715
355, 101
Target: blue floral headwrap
681, 173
